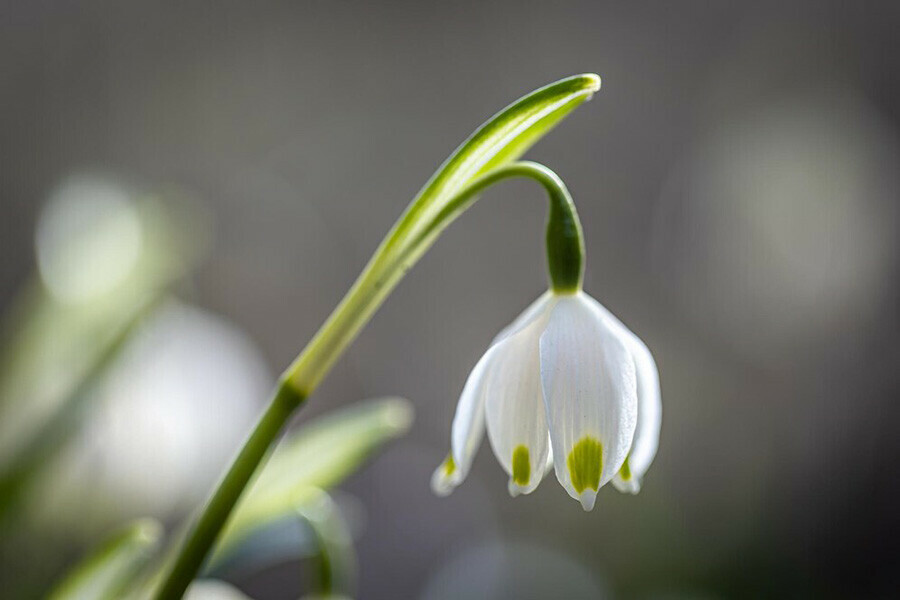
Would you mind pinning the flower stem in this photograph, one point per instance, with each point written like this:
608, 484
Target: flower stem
397, 254
201, 538
564, 238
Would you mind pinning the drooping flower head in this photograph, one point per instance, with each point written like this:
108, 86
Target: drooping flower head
566, 385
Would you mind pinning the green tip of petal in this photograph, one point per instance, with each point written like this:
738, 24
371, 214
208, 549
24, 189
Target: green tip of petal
585, 463
449, 465
625, 471
445, 477
521, 466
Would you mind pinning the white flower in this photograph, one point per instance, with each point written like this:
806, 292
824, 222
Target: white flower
566, 385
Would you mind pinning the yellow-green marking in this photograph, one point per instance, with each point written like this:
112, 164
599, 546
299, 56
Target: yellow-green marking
449, 465
521, 466
585, 463
625, 471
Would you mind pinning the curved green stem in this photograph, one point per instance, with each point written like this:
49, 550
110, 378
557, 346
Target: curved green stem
397, 254
401, 250
564, 239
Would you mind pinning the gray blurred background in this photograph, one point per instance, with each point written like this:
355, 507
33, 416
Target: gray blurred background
737, 176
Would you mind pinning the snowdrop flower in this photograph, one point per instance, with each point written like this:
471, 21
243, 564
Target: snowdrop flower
566, 385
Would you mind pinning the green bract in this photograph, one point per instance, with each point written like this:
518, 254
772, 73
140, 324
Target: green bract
494, 145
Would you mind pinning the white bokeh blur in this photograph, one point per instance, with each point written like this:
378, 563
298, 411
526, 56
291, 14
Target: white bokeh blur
88, 238
777, 230
163, 424
210, 589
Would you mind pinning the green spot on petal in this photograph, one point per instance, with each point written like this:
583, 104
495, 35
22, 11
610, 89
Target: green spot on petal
625, 471
449, 465
521, 465
585, 462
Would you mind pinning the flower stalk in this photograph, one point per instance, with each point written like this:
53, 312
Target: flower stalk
565, 257
484, 159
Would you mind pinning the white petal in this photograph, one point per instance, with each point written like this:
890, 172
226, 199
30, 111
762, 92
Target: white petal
466, 433
443, 481
539, 307
649, 416
649, 420
514, 407
468, 424
588, 378
549, 464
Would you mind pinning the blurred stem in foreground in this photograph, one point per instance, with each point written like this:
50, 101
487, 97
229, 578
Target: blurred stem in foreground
107, 573
335, 557
486, 158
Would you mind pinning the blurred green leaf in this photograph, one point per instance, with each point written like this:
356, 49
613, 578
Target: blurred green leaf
55, 349
109, 571
314, 457
278, 541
